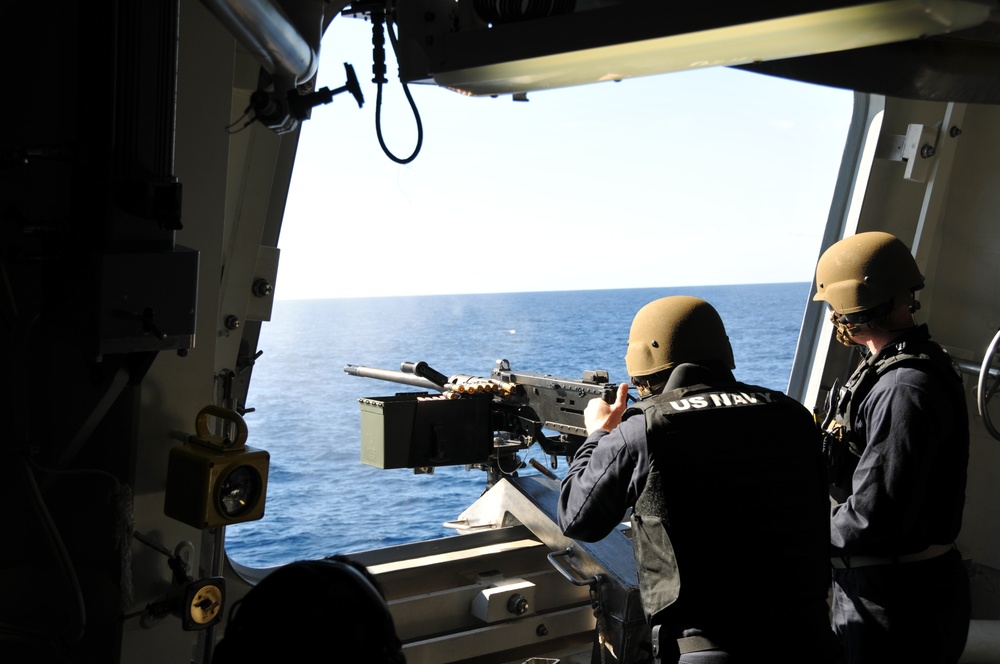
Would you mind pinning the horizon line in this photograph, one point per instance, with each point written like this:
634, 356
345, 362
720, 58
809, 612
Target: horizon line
522, 292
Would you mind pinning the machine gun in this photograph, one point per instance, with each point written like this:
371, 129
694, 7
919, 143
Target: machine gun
474, 421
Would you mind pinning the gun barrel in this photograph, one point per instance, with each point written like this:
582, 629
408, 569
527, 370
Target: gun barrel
392, 377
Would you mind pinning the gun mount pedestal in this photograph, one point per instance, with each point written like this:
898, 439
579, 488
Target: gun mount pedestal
606, 567
442, 593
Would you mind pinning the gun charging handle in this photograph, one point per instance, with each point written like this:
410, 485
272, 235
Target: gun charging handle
424, 371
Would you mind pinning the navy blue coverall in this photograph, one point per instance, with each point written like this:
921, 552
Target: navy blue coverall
901, 592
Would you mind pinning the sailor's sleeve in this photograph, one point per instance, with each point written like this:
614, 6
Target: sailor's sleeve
598, 487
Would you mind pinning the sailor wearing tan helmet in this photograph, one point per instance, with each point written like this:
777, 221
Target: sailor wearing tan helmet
726, 484
898, 447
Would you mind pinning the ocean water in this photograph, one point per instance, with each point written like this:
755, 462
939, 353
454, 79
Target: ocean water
321, 500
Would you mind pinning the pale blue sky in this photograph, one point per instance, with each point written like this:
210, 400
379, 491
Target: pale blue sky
714, 176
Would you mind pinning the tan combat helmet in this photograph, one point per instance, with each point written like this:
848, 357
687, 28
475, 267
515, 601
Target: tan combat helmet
864, 271
674, 330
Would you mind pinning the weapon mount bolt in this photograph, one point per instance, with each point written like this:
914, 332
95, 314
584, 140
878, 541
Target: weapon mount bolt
517, 604
262, 288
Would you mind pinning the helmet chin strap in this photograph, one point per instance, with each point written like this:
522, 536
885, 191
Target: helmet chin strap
846, 329
646, 391
651, 385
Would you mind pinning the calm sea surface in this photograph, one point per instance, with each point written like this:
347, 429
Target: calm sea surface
322, 500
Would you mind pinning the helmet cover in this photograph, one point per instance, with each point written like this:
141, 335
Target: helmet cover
864, 271
676, 330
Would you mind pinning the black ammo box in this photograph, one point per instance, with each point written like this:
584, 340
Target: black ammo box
417, 430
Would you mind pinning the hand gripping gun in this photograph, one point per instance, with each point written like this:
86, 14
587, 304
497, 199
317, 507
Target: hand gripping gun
474, 421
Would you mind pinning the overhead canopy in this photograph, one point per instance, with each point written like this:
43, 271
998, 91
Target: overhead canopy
928, 49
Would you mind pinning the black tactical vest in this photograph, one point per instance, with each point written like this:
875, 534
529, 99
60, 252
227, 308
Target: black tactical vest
841, 445
736, 488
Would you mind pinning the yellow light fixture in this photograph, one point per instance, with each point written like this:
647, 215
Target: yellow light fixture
215, 480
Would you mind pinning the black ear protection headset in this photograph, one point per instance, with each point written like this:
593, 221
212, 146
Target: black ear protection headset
391, 646
302, 602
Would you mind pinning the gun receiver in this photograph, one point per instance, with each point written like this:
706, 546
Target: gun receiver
474, 420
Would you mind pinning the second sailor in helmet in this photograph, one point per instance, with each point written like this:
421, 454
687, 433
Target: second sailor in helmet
898, 440
727, 494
